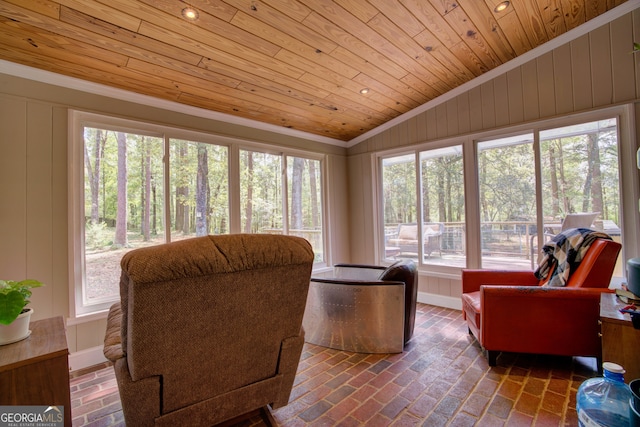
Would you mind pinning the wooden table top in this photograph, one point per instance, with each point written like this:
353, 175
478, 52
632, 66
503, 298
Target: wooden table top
47, 340
610, 307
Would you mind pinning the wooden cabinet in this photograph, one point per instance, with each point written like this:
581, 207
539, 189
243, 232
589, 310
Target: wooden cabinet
35, 371
620, 340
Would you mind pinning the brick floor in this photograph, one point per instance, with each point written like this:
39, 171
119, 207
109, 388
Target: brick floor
441, 379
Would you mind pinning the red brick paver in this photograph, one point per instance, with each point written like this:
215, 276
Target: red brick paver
441, 379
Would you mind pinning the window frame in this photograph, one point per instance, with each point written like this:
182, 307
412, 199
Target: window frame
78, 120
628, 178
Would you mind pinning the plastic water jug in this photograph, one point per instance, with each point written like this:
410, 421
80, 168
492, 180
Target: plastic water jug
604, 401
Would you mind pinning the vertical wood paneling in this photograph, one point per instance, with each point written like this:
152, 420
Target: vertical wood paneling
501, 99
59, 210
455, 288
39, 205
441, 121
516, 100
452, 117
87, 334
601, 66
562, 79
488, 100
464, 125
530, 91
400, 137
361, 230
421, 125
376, 142
13, 188
475, 109
581, 81
388, 141
337, 192
412, 130
431, 285
621, 47
432, 124
546, 93
356, 183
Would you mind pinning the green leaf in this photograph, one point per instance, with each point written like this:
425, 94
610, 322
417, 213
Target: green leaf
636, 47
11, 305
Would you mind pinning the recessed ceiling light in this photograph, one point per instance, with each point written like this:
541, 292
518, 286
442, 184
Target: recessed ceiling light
501, 7
364, 91
190, 13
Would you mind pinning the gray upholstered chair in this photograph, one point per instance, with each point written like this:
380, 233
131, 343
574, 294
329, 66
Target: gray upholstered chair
208, 328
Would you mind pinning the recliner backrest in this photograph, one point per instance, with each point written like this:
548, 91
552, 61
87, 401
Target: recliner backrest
209, 314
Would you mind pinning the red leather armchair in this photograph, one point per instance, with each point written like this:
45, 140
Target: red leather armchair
510, 311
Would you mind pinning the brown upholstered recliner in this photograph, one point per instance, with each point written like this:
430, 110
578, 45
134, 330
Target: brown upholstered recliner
208, 328
509, 311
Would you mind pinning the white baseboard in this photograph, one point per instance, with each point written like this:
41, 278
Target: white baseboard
86, 358
440, 300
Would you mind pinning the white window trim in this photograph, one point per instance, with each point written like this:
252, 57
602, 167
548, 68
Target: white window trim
628, 170
77, 120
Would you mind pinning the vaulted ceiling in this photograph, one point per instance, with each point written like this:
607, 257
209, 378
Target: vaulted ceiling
300, 64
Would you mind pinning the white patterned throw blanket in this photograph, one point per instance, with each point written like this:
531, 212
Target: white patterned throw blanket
563, 253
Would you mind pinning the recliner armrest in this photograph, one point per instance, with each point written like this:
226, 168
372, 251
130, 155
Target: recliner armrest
473, 279
113, 338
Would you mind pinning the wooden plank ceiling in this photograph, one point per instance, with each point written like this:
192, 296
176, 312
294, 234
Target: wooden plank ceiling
300, 64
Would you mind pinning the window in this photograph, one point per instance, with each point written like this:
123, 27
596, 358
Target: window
136, 185
507, 181
304, 201
261, 192
399, 206
199, 179
439, 239
123, 205
580, 172
527, 183
262, 197
443, 206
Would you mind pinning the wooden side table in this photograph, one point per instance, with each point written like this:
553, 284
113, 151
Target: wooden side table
620, 341
35, 371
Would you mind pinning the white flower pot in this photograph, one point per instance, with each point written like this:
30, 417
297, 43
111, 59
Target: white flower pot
16, 330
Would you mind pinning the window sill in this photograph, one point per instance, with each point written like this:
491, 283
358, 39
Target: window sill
86, 318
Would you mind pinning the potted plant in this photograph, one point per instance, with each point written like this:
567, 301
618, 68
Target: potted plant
14, 315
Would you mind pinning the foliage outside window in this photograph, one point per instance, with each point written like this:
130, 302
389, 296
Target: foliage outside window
507, 181
304, 202
578, 172
124, 204
443, 206
199, 178
132, 199
398, 200
439, 237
